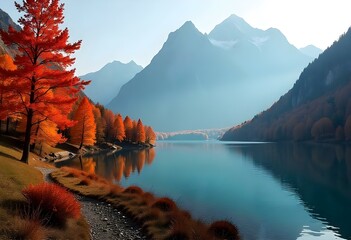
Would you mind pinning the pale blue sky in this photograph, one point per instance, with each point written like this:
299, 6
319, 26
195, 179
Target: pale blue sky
127, 30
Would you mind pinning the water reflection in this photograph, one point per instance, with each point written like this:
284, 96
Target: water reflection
271, 191
113, 166
319, 174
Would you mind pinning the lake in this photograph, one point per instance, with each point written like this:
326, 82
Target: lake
270, 191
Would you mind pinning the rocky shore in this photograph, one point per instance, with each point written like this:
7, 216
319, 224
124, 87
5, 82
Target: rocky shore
105, 221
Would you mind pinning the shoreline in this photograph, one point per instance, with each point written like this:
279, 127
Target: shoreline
159, 218
105, 222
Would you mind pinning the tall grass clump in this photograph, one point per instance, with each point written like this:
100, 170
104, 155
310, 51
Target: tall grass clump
165, 204
55, 203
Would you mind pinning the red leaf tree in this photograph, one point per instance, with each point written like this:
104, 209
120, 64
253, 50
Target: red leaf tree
119, 128
7, 99
84, 131
42, 83
150, 135
128, 128
140, 132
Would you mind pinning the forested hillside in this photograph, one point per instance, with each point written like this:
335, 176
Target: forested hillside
317, 107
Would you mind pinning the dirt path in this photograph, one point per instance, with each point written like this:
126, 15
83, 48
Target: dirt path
105, 221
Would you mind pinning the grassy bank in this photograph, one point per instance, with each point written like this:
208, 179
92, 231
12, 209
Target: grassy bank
15, 221
160, 218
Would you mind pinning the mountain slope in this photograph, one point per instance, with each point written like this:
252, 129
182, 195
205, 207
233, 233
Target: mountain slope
5, 22
317, 107
311, 51
106, 83
201, 81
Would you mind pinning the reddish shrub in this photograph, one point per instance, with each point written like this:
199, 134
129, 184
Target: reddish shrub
29, 229
164, 204
133, 190
55, 203
148, 197
224, 230
149, 215
115, 189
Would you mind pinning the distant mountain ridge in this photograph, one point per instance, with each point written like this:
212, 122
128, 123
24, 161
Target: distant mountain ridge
317, 107
311, 51
106, 82
5, 22
201, 81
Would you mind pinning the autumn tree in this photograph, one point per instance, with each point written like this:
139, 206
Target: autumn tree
83, 132
7, 99
100, 125
128, 128
140, 132
323, 128
119, 128
44, 132
150, 135
43, 56
109, 118
134, 131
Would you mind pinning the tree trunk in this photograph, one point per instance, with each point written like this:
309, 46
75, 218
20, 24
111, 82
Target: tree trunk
26, 146
25, 154
81, 162
7, 125
82, 137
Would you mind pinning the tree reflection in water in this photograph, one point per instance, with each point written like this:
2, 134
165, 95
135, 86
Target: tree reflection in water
113, 166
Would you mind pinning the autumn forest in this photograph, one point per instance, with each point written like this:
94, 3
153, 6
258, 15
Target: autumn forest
252, 125
42, 98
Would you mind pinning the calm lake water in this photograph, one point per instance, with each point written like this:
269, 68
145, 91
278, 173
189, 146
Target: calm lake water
270, 191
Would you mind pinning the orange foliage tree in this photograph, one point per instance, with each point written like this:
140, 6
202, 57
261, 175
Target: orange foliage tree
7, 99
44, 132
44, 55
119, 128
140, 132
150, 135
109, 118
100, 125
83, 132
128, 128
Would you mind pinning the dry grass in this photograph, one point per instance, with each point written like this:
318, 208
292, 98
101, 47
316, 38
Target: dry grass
224, 230
14, 177
29, 229
54, 203
160, 218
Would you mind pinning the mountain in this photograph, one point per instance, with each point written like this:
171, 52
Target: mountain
200, 81
106, 83
317, 107
5, 22
311, 51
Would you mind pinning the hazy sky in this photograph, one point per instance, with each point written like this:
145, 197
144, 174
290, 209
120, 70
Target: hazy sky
127, 30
